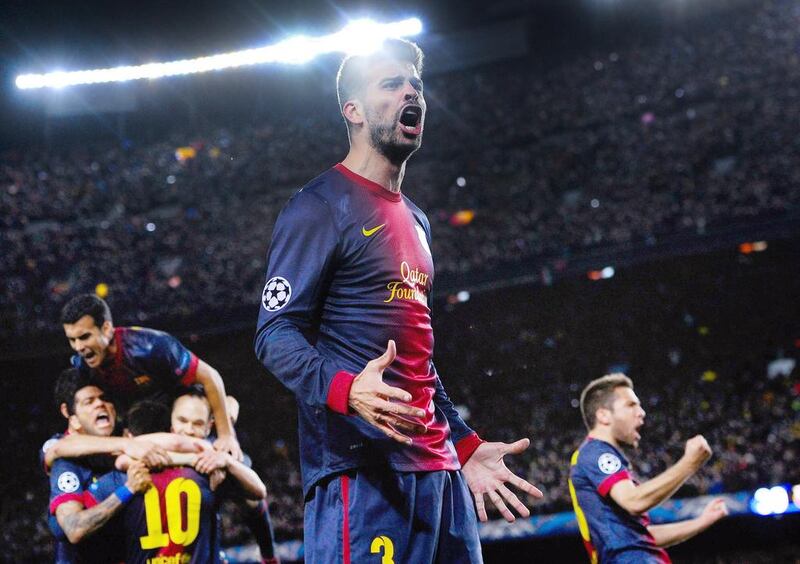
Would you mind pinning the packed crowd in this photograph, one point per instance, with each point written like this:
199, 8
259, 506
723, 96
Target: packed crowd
682, 134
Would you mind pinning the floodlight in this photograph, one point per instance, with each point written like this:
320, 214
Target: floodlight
358, 37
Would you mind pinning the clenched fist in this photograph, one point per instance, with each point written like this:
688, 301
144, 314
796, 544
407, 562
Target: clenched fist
697, 450
138, 477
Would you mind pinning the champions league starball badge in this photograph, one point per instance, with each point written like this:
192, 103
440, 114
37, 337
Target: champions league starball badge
68, 482
609, 463
276, 294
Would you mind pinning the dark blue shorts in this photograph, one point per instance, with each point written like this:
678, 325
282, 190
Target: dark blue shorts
377, 515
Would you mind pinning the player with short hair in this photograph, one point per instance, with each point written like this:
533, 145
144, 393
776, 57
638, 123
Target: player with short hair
76, 528
175, 521
190, 418
387, 462
134, 363
610, 504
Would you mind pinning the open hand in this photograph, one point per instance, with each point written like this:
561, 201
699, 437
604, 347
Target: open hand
370, 398
486, 473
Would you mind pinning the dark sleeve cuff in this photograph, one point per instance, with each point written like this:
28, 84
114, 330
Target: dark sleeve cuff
606, 485
339, 392
466, 446
191, 373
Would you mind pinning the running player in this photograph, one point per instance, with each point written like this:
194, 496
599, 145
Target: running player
134, 363
349, 270
610, 505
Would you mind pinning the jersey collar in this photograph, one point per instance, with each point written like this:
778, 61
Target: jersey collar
373, 187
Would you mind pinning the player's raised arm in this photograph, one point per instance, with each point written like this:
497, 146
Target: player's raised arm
640, 499
215, 392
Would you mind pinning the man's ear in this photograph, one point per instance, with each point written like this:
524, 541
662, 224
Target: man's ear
603, 415
74, 423
353, 112
64, 411
107, 329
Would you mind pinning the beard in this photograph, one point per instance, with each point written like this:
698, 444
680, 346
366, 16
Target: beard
385, 139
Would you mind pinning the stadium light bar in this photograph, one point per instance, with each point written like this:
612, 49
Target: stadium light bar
359, 37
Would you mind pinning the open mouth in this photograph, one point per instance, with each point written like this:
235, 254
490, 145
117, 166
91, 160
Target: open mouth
102, 419
411, 120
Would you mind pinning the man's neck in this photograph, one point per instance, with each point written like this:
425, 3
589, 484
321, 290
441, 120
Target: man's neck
375, 167
111, 351
603, 434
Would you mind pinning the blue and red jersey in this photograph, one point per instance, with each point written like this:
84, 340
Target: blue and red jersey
175, 521
148, 364
70, 479
349, 268
609, 532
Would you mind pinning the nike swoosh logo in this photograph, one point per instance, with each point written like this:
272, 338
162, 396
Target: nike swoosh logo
370, 232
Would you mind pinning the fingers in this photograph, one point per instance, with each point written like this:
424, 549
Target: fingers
380, 421
516, 447
394, 393
480, 507
501, 506
383, 361
514, 501
399, 408
156, 457
525, 486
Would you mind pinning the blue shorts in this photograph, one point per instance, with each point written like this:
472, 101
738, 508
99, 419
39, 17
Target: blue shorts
378, 515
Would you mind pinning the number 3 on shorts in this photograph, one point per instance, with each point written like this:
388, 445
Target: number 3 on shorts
387, 545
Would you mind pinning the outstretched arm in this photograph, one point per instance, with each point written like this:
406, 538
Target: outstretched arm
640, 499
674, 533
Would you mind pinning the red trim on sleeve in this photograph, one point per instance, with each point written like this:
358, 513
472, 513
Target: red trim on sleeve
346, 519
89, 500
191, 373
64, 498
606, 485
339, 392
466, 446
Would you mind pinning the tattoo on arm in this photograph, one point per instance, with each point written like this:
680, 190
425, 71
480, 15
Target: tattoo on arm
80, 523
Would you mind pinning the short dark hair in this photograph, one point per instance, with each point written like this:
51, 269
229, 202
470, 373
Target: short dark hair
68, 384
350, 78
86, 304
148, 416
600, 393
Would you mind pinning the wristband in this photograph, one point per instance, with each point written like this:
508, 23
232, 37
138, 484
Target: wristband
123, 493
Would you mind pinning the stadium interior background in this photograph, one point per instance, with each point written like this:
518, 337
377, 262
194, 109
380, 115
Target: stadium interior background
623, 194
